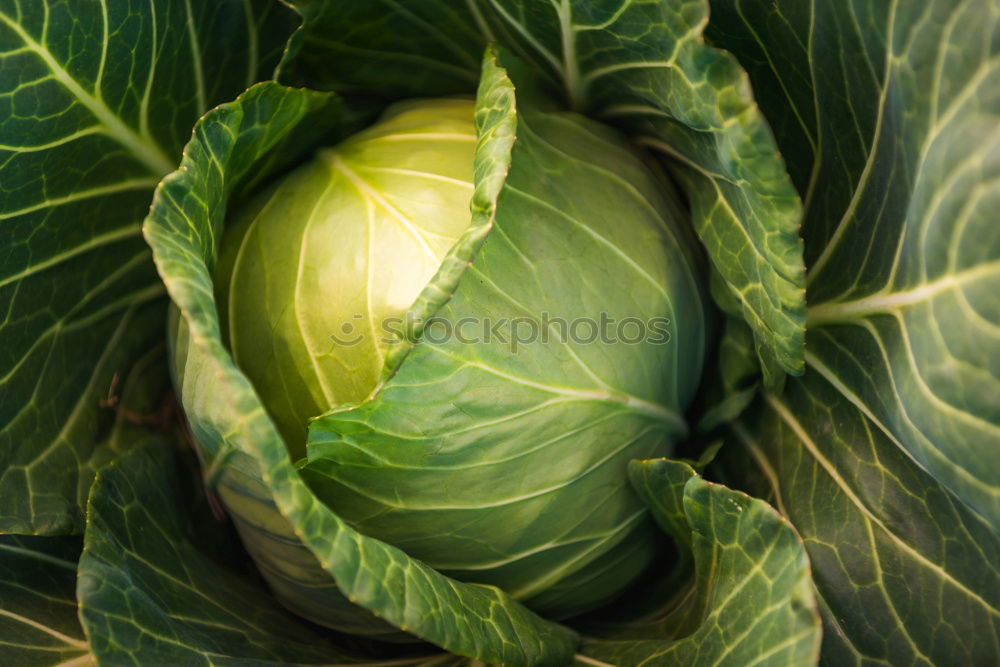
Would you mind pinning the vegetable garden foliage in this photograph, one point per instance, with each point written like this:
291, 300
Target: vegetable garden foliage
805, 190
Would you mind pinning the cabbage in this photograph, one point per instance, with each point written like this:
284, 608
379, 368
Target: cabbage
494, 452
480, 333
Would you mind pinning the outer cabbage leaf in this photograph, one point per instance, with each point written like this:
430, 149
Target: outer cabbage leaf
256, 478
889, 113
39, 622
386, 48
38, 613
96, 101
904, 572
149, 595
751, 598
641, 65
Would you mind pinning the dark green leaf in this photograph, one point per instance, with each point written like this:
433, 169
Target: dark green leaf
96, 101
905, 573
148, 596
387, 48
751, 601
889, 114
38, 620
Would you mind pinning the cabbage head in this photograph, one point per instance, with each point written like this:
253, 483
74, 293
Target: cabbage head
495, 451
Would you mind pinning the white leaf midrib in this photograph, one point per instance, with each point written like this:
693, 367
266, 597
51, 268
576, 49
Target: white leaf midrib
886, 302
144, 149
66, 639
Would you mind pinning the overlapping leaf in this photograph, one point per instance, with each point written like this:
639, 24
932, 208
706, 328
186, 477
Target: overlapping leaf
889, 113
148, 595
751, 599
227, 417
905, 573
644, 66
96, 101
386, 48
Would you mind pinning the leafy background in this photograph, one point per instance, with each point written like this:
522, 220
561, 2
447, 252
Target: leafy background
884, 456
896, 153
97, 100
